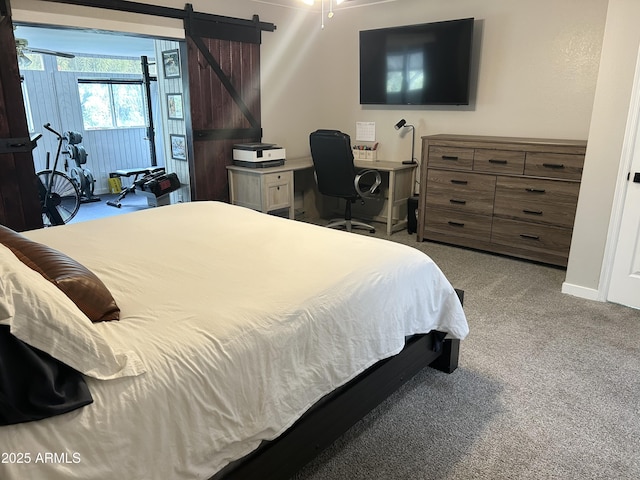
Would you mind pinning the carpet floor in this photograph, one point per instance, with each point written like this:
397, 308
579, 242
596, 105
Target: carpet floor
548, 387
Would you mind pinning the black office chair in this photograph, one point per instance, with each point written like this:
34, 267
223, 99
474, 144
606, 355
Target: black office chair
336, 174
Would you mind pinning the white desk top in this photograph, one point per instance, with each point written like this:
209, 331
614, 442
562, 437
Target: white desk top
306, 162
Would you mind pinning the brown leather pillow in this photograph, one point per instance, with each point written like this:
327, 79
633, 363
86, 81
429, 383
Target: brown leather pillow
81, 285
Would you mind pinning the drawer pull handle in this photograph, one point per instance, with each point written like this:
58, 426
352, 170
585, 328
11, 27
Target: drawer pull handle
499, 162
459, 182
449, 157
533, 212
535, 190
553, 165
530, 237
456, 224
458, 202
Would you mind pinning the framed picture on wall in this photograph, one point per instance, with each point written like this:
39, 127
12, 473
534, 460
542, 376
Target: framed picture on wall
174, 106
171, 63
178, 147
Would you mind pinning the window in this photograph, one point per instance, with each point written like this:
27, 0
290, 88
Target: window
34, 61
111, 104
97, 64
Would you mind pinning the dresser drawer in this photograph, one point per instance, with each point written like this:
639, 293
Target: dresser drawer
468, 192
451, 157
529, 236
458, 224
498, 161
535, 200
556, 165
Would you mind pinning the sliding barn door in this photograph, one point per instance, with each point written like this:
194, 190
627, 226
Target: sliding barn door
224, 87
19, 203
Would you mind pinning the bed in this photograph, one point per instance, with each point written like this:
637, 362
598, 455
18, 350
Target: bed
239, 334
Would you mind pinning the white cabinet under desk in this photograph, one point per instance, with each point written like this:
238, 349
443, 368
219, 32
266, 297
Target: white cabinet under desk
264, 189
272, 188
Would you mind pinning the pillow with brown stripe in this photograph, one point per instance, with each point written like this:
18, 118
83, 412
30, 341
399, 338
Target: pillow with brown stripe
80, 284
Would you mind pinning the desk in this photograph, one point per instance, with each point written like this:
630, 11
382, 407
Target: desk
269, 189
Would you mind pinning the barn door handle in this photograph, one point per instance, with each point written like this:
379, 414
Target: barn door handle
18, 145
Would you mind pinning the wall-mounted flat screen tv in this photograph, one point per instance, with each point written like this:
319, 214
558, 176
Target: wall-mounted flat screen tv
427, 64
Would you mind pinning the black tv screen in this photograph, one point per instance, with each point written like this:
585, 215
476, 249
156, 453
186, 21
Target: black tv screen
427, 64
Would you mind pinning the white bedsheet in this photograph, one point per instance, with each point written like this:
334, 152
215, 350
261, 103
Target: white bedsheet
242, 320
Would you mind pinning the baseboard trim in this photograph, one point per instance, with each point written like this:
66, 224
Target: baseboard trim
582, 292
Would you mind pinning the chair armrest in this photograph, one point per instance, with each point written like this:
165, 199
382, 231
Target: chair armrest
368, 179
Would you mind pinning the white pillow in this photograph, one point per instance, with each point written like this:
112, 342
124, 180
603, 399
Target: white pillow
41, 315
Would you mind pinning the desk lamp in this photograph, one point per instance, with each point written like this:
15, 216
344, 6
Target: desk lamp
403, 124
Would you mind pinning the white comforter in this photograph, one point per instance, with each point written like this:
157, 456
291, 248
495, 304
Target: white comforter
242, 321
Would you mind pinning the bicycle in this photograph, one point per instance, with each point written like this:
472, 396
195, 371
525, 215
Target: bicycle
59, 196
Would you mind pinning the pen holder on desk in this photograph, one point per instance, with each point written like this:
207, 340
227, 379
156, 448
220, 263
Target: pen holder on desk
361, 153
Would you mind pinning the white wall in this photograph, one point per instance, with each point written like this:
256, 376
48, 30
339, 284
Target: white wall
537, 65
610, 114
537, 73
537, 68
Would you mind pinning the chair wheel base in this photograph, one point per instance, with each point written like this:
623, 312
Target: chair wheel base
350, 225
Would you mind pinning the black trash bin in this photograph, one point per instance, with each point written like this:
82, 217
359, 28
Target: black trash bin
412, 214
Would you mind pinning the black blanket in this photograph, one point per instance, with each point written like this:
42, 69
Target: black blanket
34, 385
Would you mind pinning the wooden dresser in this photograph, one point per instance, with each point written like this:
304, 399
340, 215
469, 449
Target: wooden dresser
515, 196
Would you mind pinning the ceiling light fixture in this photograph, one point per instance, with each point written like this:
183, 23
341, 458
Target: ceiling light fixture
322, 9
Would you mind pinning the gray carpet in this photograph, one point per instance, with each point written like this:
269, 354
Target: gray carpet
548, 387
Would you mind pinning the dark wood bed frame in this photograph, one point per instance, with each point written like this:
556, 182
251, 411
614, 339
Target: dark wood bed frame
338, 411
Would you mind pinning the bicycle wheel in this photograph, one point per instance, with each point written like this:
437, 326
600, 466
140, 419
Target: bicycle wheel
63, 196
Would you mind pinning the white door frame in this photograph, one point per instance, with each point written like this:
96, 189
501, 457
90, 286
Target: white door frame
631, 141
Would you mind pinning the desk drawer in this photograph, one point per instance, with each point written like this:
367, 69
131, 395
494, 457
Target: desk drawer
451, 157
468, 192
277, 189
458, 224
279, 178
535, 200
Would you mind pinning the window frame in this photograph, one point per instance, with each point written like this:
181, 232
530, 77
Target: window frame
112, 104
